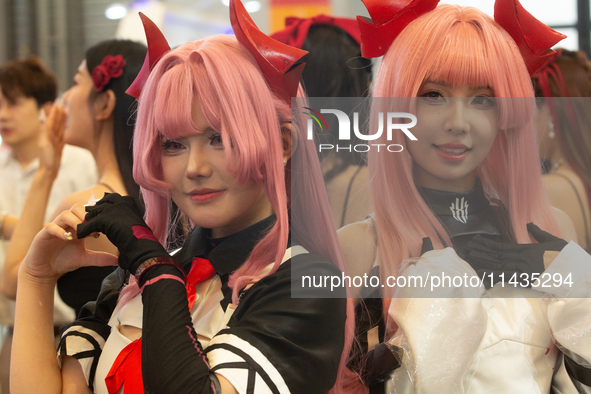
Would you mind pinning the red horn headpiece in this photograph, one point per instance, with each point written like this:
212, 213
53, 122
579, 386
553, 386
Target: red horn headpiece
277, 61
533, 38
157, 47
388, 19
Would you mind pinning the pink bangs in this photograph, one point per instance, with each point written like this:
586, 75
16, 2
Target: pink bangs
235, 101
465, 47
457, 46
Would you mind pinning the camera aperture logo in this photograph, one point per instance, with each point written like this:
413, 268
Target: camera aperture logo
345, 130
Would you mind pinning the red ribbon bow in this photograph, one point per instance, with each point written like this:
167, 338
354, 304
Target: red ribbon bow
296, 29
127, 369
110, 67
201, 269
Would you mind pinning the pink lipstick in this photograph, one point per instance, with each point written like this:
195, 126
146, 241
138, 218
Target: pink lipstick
202, 196
452, 151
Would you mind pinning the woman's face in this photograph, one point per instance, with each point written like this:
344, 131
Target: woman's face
80, 126
456, 127
202, 187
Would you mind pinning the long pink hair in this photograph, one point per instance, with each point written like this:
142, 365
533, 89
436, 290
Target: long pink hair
237, 102
457, 45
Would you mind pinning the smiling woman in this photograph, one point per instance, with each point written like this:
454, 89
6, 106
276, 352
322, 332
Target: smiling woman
213, 136
468, 187
456, 127
204, 188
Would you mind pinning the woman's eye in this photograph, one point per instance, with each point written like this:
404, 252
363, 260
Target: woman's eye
171, 145
432, 95
484, 102
216, 139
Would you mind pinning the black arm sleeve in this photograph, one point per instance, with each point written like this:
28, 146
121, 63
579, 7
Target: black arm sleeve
172, 358
273, 343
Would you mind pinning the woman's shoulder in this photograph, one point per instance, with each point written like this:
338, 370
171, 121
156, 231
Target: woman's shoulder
84, 197
566, 192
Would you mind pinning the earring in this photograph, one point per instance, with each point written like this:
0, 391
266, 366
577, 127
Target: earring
551, 133
284, 161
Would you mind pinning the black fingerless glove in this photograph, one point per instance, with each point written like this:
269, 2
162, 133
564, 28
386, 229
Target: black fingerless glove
490, 257
119, 218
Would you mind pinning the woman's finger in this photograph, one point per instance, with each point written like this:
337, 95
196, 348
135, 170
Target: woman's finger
79, 211
68, 221
57, 231
56, 123
100, 259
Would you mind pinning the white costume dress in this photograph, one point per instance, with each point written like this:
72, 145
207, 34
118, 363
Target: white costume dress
501, 340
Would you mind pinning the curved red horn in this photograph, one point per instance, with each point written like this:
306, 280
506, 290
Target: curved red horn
157, 47
533, 38
277, 61
388, 19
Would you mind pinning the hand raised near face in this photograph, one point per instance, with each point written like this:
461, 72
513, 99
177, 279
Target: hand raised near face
119, 218
51, 142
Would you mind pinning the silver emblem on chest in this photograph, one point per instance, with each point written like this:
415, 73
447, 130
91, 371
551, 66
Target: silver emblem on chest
459, 210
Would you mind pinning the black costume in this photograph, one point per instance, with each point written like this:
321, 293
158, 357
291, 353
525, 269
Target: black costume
269, 342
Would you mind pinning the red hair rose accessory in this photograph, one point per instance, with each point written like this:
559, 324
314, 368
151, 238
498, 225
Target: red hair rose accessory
296, 29
110, 67
278, 62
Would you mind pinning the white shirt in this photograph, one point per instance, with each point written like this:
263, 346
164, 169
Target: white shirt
77, 172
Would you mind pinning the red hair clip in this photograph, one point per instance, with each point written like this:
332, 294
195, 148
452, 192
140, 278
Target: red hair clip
296, 29
533, 38
277, 61
388, 19
157, 47
110, 67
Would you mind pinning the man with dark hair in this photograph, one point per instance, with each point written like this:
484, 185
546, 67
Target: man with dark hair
27, 91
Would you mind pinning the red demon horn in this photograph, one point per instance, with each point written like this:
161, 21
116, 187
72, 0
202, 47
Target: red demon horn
277, 61
388, 19
157, 46
533, 38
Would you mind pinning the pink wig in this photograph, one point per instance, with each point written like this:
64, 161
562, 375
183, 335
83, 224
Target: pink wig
237, 102
457, 45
